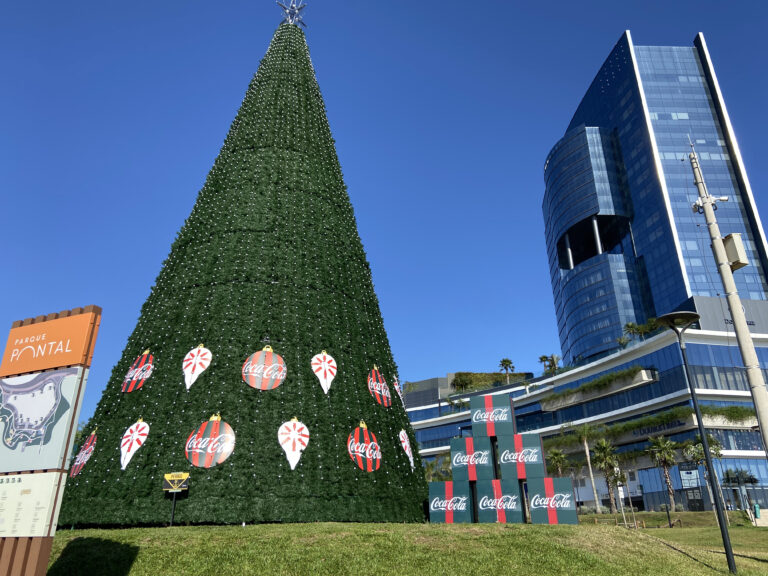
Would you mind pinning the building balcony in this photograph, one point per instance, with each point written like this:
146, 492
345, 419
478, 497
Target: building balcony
586, 392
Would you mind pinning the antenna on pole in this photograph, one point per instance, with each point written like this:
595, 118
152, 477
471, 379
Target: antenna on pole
292, 12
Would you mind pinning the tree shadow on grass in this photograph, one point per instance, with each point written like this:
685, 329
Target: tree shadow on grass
94, 557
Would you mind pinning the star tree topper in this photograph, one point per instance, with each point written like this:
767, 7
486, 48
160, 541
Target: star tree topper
293, 12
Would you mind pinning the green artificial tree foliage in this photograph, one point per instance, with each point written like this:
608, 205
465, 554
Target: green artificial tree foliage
269, 255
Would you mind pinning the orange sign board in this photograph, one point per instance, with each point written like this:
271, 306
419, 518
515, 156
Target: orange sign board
67, 341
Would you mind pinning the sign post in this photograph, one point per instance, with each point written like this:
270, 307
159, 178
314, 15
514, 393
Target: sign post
42, 382
174, 483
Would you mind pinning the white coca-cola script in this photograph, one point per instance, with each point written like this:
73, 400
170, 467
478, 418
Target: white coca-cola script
366, 449
141, 373
456, 503
379, 387
479, 457
495, 415
218, 445
525, 455
506, 502
277, 371
83, 457
557, 501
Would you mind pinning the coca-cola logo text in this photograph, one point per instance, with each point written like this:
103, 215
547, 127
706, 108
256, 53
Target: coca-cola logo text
379, 387
458, 503
367, 449
495, 415
140, 373
221, 444
557, 501
479, 457
276, 371
525, 455
506, 502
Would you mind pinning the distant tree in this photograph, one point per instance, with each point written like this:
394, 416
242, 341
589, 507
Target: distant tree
462, 381
631, 330
507, 366
585, 433
607, 462
550, 363
662, 452
79, 438
652, 325
438, 469
738, 477
622, 341
695, 453
556, 460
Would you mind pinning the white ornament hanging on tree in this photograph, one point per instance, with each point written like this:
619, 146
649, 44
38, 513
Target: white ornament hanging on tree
195, 363
324, 367
293, 437
133, 439
406, 444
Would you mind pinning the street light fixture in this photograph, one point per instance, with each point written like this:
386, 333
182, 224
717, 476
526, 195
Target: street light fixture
680, 322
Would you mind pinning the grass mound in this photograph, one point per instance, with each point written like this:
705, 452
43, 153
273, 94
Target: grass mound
388, 549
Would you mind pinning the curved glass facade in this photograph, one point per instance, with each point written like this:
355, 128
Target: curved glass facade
592, 262
622, 240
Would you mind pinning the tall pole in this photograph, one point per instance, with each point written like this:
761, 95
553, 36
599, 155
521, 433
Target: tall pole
680, 322
706, 204
708, 459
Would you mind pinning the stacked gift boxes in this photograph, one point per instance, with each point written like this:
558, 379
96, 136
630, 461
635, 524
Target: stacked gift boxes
494, 470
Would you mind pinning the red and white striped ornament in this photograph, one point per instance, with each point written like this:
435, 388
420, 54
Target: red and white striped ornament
83, 455
264, 370
324, 367
133, 439
211, 444
140, 371
294, 438
364, 449
406, 444
195, 363
378, 388
399, 389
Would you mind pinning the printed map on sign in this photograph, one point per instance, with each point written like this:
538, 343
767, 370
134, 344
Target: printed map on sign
35, 412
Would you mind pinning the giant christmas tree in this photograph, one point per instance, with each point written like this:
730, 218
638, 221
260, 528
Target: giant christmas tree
269, 257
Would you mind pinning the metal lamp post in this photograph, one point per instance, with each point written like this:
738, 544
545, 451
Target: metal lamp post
680, 322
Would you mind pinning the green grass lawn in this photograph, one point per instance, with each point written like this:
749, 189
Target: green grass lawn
390, 549
659, 519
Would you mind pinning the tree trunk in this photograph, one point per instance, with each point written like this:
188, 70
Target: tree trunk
670, 490
598, 506
711, 496
611, 497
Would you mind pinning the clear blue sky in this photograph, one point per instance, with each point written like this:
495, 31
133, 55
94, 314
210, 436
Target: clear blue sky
111, 115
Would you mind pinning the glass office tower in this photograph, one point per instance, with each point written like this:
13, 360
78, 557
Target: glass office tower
623, 242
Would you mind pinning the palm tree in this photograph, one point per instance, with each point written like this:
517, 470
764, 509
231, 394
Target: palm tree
556, 460
662, 452
622, 341
550, 363
507, 366
607, 462
695, 453
437, 469
631, 330
585, 433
